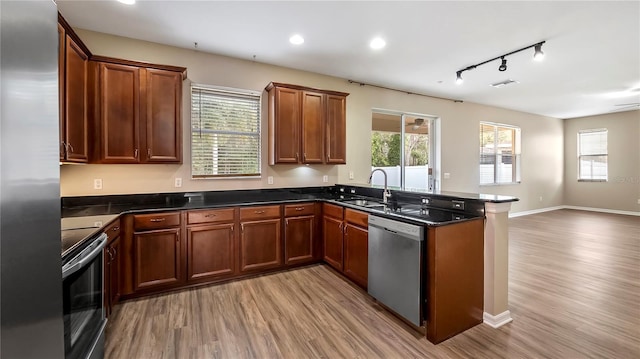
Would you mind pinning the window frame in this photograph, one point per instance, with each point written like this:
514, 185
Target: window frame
229, 91
580, 155
516, 156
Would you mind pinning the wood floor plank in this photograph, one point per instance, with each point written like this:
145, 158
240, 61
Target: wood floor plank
574, 292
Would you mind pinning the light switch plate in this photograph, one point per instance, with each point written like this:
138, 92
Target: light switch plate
350, 175
325, 178
447, 175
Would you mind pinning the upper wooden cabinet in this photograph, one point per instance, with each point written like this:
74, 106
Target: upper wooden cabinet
73, 58
138, 112
306, 125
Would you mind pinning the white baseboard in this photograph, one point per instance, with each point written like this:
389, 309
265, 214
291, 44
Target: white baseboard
592, 209
604, 210
498, 320
534, 211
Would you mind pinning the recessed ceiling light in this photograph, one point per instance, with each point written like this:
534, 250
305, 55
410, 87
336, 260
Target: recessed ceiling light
127, 2
377, 43
296, 39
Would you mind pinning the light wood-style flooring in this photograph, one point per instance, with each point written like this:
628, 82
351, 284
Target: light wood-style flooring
574, 291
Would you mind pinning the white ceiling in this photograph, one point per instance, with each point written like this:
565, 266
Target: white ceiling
592, 63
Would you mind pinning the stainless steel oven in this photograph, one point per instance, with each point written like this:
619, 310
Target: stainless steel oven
83, 295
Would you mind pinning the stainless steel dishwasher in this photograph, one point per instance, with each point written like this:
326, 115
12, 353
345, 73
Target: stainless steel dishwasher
395, 266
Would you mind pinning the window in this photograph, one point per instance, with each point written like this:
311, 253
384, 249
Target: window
403, 146
592, 155
499, 153
225, 132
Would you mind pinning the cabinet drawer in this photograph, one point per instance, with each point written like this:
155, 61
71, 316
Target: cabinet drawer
300, 209
210, 216
113, 230
332, 210
156, 220
356, 218
249, 213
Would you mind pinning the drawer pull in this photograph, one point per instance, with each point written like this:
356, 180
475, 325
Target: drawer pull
210, 215
115, 228
157, 219
299, 208
258, 212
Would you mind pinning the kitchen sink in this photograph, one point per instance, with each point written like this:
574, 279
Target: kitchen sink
364, 203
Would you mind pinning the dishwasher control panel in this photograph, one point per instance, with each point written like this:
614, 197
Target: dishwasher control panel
406, 229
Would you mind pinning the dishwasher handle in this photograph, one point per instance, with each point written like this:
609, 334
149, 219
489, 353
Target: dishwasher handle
86, 256
410, 231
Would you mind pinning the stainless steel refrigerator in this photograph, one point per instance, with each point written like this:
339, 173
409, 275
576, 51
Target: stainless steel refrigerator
30, 275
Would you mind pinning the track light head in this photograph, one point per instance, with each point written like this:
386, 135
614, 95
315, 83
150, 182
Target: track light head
459, 79
503, 65
538, 55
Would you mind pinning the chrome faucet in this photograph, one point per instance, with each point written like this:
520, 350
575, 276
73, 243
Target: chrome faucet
385, 193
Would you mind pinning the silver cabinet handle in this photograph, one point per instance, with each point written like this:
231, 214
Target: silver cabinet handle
157, 219
148, 153
299, 209
258, 212
210, 215
135, 153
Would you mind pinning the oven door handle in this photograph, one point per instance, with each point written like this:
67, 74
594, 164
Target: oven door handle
85, 256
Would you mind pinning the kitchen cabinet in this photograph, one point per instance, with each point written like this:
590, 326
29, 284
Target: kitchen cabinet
332, 235
112, 263
299, 233
157, 251
260, 242
455, 283
211, 244
138, 111
356, 246
306, 125
73, 59
346, 241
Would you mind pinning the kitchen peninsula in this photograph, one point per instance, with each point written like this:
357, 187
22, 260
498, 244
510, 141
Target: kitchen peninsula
177, 240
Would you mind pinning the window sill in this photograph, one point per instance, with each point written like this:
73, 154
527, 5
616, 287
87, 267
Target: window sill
592, 180
499, 184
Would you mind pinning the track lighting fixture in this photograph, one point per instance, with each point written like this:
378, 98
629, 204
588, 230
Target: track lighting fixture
537, 55
503, 65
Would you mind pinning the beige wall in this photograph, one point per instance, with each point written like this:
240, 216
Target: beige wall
542, 137
622, 190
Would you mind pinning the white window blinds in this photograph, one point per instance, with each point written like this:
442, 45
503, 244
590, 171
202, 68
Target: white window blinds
592, 155
225, 132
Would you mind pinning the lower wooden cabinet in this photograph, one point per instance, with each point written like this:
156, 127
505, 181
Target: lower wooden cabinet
260, 245
157, 258
356, 254
210, 251
112, 270
346, 242
300, 237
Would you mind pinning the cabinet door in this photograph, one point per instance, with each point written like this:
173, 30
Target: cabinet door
336, 135
156, 258
356, 254
163, 98
312, 127
210, 251
298, 239
119, 113
61, 50
260, 246
332, 235
75, 102
286, 126
113, 284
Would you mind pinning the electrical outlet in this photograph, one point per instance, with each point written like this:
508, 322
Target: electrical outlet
638, 200
325, 178
97, 183
540, 198
270, 180
178, 182
447, 175
350, 175
97, 224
